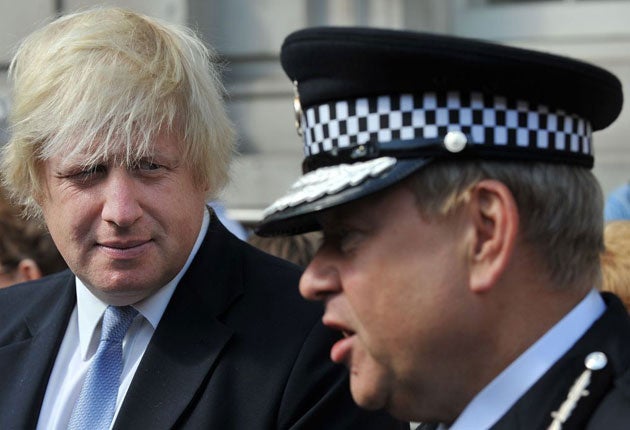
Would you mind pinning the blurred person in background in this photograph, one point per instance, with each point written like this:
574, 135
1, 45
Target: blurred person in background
298, 249
27, 251
618, 204
616, 260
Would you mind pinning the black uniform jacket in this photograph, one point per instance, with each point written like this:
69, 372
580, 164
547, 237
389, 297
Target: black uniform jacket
606, 402
237, 348
603, 405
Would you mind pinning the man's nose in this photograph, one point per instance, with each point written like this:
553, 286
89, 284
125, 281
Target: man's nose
120, 198
321, 277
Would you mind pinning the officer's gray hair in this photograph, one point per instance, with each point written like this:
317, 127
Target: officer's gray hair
560, 209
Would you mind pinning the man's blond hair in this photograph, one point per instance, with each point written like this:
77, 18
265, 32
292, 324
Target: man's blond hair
103, 83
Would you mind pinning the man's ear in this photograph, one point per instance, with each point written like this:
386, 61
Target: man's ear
28, 270
495, 222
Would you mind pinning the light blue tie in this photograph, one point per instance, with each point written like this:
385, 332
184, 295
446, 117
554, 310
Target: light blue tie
95, 407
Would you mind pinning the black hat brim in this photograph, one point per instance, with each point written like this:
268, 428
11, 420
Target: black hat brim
303, 217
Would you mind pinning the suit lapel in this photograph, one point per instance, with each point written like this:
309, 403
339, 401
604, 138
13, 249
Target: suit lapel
188, 339
31, 357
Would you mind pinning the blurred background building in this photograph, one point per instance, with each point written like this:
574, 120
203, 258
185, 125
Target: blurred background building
248, 35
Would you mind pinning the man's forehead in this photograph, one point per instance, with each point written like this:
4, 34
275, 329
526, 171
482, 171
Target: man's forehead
362, 209
118, 151
79, 158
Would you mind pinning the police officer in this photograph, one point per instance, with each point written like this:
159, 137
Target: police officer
462, 227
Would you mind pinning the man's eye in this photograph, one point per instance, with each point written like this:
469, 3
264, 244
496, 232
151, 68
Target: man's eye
87, 173
344, 239
147, 165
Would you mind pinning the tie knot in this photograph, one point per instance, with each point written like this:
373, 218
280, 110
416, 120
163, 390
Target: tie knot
116, 322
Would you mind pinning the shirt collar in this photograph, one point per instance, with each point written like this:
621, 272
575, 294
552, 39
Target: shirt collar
504, 391
90, 309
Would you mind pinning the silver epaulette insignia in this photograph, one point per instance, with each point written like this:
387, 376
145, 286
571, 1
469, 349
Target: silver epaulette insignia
593, 362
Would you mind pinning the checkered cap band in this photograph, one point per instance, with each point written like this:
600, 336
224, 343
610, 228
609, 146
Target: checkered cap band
486, 120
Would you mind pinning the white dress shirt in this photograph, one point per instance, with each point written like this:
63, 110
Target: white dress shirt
491, 403
83, 336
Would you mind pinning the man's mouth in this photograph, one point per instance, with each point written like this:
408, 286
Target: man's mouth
341, 351
124, 250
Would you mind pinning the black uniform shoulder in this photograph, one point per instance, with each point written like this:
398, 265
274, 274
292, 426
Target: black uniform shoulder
614, 410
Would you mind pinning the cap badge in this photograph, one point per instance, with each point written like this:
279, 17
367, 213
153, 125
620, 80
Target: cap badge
297, 107
330, 180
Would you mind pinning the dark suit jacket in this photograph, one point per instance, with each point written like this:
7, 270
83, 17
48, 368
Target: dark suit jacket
237, 348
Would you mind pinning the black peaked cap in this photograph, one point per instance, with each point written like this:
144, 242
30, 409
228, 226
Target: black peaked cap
333, 63
376, 105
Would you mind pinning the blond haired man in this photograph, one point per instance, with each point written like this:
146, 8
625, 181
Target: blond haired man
165, 320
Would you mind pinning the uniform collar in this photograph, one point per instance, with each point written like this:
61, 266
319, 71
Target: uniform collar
505, 390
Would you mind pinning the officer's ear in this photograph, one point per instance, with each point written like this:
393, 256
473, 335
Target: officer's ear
494, 221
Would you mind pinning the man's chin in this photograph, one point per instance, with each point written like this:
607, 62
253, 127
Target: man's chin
121, 293
367, 397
